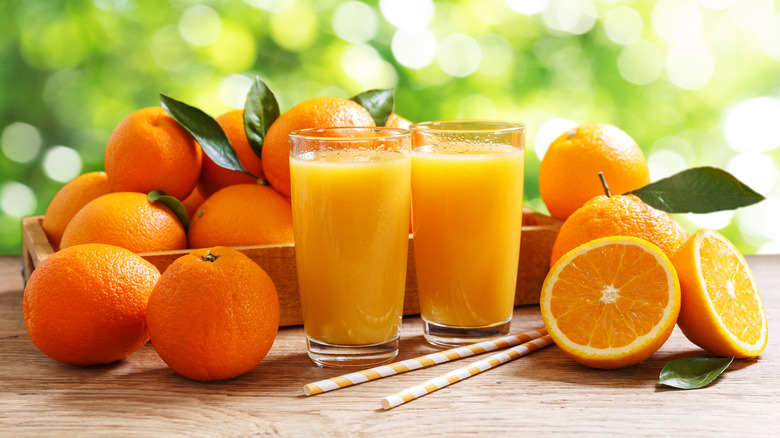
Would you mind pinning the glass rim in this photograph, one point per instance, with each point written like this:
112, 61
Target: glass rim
439, 126
387, 133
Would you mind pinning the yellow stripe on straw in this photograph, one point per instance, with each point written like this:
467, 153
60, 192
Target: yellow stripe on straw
437, 383
420, 362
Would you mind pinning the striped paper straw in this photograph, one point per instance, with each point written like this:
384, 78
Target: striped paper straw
437, 383
420, 362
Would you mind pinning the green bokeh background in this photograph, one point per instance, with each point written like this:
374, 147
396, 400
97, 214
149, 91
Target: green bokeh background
73, 69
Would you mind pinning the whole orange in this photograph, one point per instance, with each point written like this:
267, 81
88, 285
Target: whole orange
243, 214
213, 314
150, 151
69, 200
320, 112
86, 305
193, 201
619, 215
129, 220
214, 177
396, 121
568, 175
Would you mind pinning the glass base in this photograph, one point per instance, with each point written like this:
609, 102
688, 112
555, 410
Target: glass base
451, 336
352, 356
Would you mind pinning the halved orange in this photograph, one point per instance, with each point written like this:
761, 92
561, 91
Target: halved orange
722, 311
611, 302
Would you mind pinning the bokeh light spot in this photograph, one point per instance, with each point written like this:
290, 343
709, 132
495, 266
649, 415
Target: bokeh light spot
623, 25
234, 51
407, 13
112, 5
414, 47
496, 55
458, 55
757, 170
363, 64
770, 39
170, 51
713, 221
549, 131
476, 106
62, 163
355, 22
527, 7
200, 25
751, 125
665, 163
717, 4
771, 247
234, 90
677, 21
760, 220
640, 62
275, 6
690, 65
572, 16
294, 29
17, 199
61, 44
20, 142
752, 15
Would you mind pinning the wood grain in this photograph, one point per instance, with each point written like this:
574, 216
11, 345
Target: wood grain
537, 238
544, 393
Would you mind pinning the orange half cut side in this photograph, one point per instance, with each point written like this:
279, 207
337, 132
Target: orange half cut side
722, 310
611, 302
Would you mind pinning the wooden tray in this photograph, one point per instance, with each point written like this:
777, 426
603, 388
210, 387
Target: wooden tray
537, 238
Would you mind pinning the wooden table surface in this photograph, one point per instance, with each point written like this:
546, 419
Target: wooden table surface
543, 393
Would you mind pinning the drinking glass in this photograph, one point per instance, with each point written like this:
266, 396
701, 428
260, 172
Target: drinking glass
467, 207
351, 199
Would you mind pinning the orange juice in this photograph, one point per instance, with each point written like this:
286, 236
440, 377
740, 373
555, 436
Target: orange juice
467, 214
351, 215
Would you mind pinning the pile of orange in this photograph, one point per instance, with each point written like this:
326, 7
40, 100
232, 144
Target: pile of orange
150, 151
623, 273
213, 314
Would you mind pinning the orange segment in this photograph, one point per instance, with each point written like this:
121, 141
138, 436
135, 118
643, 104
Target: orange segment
722, 310
612, 302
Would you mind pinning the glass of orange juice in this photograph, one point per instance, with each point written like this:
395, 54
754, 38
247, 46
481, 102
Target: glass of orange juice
351, 190
467, 207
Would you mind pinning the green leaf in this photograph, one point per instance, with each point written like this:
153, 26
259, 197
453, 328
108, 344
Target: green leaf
379, 104
206, 131
693, 372
698, 190
174, 204
261, 109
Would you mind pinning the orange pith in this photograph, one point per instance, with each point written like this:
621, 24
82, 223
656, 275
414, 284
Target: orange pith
611, 302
